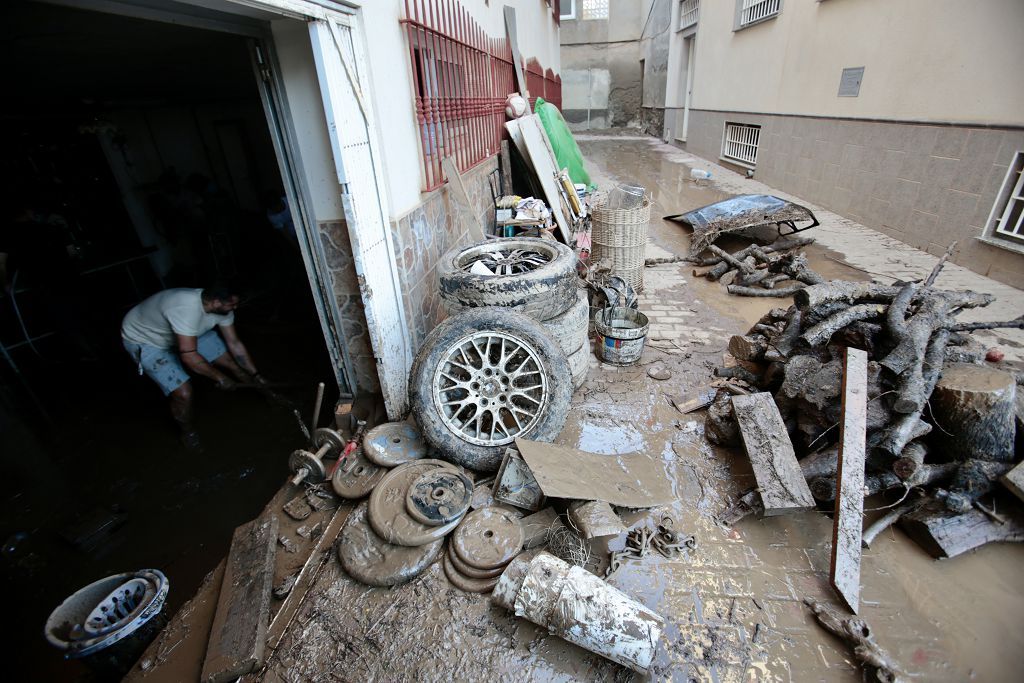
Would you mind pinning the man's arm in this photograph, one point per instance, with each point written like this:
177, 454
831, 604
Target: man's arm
194, 362
237, 350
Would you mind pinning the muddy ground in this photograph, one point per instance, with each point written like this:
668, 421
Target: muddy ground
733, 604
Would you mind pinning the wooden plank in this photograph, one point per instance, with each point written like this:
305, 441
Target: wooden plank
517, 58
1014, 480
544, 166
844, 572
177, 653
506, 169
779, 477
460, 199
946, 534
702, 398
239, 633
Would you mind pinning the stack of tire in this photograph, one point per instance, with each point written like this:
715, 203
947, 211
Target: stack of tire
505, 363
550, 293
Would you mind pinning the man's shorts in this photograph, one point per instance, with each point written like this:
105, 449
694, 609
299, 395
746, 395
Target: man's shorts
164, 367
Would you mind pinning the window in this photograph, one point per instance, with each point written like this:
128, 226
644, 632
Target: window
568, 10
739, 143
689, 11
755, 11
594, 9
1006, 221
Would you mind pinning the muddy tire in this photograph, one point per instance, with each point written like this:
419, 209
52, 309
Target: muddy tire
484, 377
537, 276
571, 328
579, 365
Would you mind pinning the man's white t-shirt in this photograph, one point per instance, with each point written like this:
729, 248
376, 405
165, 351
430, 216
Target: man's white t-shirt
155, 321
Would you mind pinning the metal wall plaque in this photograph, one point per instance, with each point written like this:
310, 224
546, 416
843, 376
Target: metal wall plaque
849, 84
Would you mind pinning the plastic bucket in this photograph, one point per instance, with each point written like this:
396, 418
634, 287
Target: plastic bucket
622, 333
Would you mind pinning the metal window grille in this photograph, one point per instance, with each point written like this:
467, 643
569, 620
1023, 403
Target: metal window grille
594, 9
689, 12
462, 78
755, 10
1008, 213
740, 142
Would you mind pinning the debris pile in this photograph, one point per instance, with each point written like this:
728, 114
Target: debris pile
761, 270
910, 333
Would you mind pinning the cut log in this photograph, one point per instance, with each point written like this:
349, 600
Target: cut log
824, 488
946, 534
840, 290
975, 404
751, 347
239, 633
973, 479
910, 460
739, 263
844, 571
729, 277
878, 666
823, 331
779, 478
754, 291
720, 423
888, 519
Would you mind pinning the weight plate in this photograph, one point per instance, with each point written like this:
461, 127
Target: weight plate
299, 459
471, 572
464, 582
372, 560
389, 516
357, 476
488, 538
394, 443
326, 435
439, 496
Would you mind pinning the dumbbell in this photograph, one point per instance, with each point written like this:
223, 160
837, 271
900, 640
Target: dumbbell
310, 466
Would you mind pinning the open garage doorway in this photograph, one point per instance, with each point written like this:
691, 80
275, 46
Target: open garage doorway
137, 157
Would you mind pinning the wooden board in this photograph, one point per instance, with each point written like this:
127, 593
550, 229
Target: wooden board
460, 199
946, 534
844, 572
779, 478
506, 169
239, 632
702, 398
544, 165
513, 42
1014, 480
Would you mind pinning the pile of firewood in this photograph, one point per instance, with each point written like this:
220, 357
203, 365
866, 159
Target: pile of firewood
910, 332
759, 270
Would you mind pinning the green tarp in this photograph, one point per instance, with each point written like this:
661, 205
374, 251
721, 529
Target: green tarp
567, 153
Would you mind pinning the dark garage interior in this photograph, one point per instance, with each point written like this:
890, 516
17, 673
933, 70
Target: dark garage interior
136, 158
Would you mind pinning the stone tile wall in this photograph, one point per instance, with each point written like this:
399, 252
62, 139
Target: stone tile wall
338, 253
424, 235
922, 184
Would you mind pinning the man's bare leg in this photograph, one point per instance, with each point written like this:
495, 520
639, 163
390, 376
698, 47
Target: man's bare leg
181, 411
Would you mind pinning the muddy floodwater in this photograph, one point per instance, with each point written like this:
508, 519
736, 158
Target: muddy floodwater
733, 604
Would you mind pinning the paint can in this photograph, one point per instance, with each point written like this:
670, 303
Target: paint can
621, 334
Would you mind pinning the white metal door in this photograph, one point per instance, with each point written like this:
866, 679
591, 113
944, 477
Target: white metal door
341, 69
689, 85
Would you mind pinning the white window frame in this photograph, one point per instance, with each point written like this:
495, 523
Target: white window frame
733, 159
739, 24
684, 10
572, 10
1011, 192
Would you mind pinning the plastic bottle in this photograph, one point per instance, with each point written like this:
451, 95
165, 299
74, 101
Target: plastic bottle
698, 174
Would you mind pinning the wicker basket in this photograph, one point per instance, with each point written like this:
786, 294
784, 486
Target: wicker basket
619, 236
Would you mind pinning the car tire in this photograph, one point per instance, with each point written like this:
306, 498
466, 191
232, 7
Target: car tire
541, 282
571, 328
579, 365
458, 375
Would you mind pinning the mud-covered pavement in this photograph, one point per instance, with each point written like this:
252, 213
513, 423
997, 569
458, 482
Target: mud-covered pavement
733, 605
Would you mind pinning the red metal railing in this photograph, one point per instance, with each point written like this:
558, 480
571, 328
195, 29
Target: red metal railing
461, 79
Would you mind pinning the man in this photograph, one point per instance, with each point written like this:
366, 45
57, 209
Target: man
174, 333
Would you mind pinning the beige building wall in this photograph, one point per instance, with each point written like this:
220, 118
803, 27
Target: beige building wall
919, 154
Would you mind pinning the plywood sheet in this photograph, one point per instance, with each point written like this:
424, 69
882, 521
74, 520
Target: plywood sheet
633, 480
545, 168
